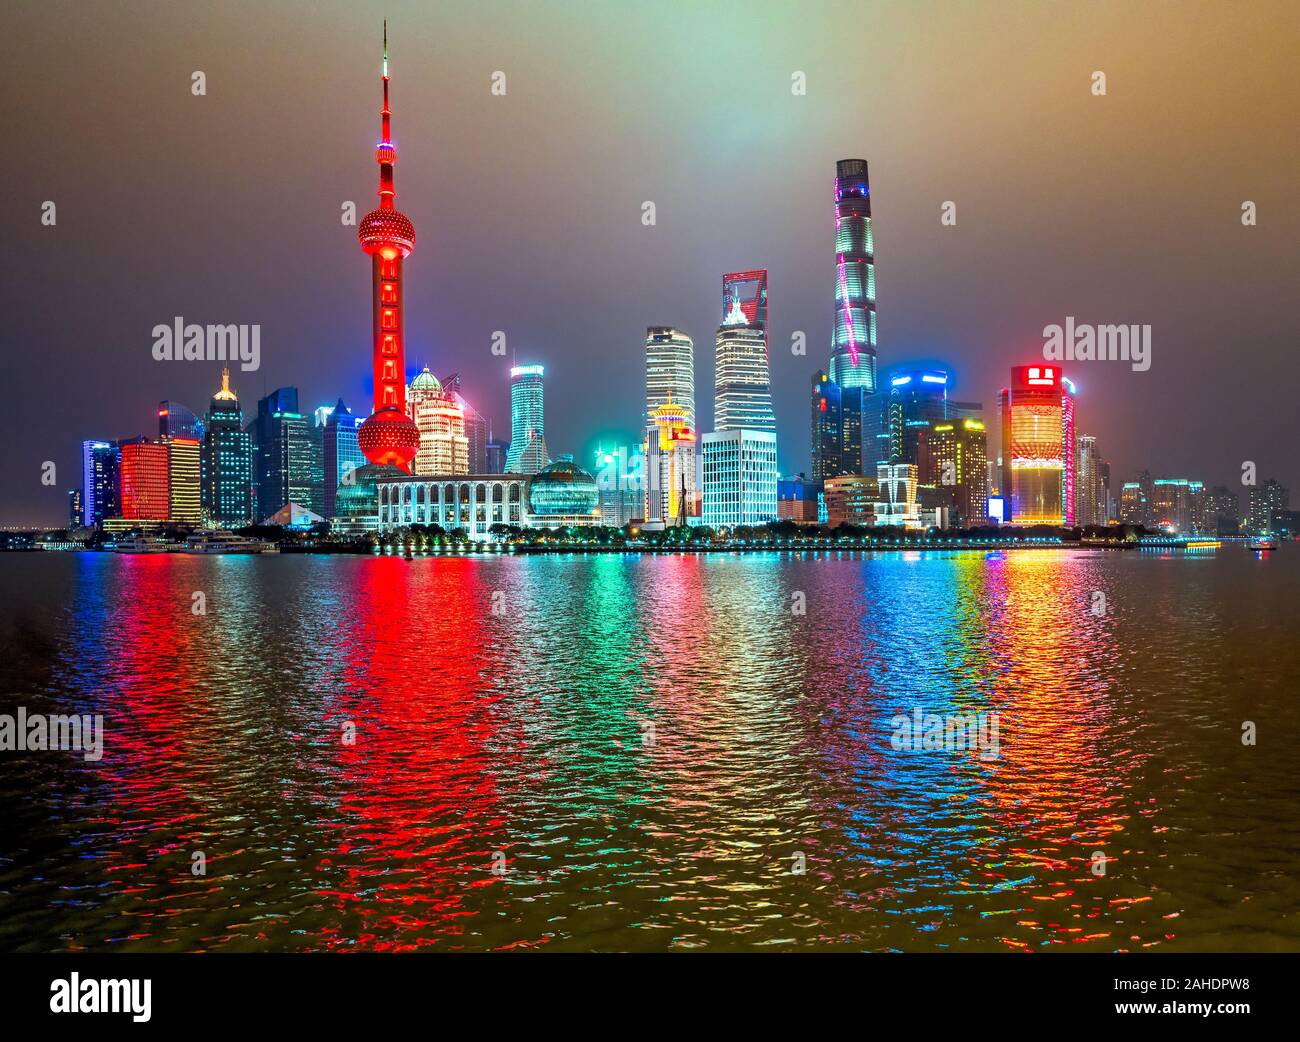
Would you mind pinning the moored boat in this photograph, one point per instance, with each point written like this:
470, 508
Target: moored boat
222, 542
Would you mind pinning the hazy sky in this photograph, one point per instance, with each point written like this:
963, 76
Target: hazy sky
226, 208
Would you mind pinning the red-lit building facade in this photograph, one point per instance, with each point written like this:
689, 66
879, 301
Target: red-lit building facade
1037, 462
144, 488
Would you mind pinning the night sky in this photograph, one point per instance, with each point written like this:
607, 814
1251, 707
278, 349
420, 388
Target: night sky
226, 208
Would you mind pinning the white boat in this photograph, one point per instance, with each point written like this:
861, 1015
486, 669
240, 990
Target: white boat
225, 543
143, 545
1263, 542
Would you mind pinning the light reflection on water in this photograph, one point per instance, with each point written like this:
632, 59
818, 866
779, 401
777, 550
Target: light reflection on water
647, 746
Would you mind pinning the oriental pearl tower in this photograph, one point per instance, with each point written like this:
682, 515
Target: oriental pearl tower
388, 436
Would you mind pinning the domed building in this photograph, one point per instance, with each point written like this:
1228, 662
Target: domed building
563, 494
356, 505
444, 448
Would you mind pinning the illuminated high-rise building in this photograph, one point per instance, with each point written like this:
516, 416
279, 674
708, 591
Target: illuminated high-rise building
952, 455
477, 429
287, 456
527, 453
853, 345
1090, 492
1038, 468
1134, 507
742, 380
671, 495
444, 449
341, 453
143, 478
740, 478
98, 481
1222, 511
184, 485
388, 436
76, 511
227, 460
669, 372
1269, 502
497, 451
917, 399
1178, 505
176, 421
837, 428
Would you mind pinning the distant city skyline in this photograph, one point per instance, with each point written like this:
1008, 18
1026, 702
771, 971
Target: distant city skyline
575, 278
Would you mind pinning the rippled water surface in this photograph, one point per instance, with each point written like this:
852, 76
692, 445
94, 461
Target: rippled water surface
627, 752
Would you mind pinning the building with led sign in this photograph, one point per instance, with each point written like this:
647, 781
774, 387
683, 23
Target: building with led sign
1038, 466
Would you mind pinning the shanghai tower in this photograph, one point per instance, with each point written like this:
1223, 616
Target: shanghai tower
853, 348
388, 436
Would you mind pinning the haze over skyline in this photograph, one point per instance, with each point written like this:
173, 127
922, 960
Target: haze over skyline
225, 208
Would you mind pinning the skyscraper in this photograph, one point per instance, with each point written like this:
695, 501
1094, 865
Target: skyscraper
388, 436
953, 455
176, 421
1134, 507
1268, 502
853, 345
527, 453
227, 460
184, 488
1178, 504
917, 399
497, 451
837, 428
287, 456
444, 449
98, 481
740, 478
1222, 511
742, 382
143, 468
1037, 418
1089, 488
341, 455
669, 372
477, 430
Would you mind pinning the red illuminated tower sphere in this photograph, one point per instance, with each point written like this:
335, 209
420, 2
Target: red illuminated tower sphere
388, 435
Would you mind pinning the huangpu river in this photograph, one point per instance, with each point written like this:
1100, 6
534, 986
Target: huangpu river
655, 752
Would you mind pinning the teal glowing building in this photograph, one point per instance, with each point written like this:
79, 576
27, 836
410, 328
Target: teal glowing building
853, 347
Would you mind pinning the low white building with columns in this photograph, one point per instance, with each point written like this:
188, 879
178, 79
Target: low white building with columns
474, 502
